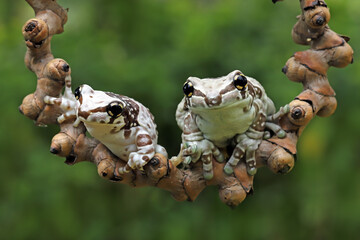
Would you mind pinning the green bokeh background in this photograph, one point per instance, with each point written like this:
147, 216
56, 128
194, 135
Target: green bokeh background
146, 49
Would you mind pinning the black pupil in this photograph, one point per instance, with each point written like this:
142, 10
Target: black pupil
114, 110
77, 93
240, 81
188, 89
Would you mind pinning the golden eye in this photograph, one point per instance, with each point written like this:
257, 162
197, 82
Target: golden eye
240, 81
114, 109
77, 93
188, 89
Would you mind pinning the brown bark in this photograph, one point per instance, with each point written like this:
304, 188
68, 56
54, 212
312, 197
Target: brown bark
308, 67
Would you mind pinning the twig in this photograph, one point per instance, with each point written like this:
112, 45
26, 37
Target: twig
308, 67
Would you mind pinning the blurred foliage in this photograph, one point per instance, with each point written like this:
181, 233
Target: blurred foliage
146, 49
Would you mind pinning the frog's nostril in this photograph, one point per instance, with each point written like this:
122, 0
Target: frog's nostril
211, 102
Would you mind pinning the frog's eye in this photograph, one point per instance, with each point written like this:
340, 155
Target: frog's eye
188, 89
77, 93
240, 81
114, 109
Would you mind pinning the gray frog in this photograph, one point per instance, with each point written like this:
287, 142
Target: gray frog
215, 113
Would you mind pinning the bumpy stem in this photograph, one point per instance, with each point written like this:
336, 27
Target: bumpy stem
50, 19
308, 67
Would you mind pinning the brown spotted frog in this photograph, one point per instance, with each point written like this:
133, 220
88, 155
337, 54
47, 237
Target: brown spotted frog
216, 113
122, 124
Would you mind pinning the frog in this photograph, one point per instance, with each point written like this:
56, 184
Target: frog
125, 126
233, 112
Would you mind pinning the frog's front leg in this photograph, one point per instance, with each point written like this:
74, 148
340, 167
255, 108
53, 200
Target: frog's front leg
236, 156
145, 151
249, 141
271, 119
67, 102
68, 106
246, 144
204, 150
197, 147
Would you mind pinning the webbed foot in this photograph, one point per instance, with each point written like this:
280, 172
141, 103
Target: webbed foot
245, 146
280, 133
237, 154
204, 150
276, 116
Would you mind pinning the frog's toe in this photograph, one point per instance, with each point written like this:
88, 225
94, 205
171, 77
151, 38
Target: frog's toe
220, 158
208, 175
187, 160
286, 108
190, 149
252, 171
281, 134
123, 170
267, 135
140, 165
228, 169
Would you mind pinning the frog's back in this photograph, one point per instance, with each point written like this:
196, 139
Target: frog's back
147, 121
180, 114
260, 92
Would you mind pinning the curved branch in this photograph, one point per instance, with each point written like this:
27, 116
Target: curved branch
308, 67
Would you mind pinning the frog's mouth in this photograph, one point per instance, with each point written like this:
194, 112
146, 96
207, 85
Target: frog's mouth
94, 116
93, 122
243, 103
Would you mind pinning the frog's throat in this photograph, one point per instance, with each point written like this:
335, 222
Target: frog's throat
244, 103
